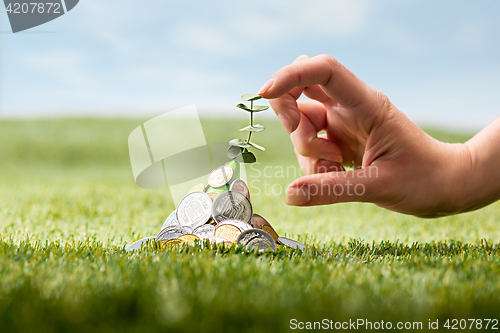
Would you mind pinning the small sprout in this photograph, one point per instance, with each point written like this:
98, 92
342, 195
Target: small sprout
238, 149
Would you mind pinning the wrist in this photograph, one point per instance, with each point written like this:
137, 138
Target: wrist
451, 182
473, 185
483, 187
443, 182
462, 192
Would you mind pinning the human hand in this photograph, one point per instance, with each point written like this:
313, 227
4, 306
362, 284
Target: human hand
396, 165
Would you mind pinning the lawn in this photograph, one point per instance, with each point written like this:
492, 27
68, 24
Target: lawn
69, 205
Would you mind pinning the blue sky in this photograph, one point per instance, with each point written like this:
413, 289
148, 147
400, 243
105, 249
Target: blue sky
438, 61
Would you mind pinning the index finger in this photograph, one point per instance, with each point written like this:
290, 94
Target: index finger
338, 82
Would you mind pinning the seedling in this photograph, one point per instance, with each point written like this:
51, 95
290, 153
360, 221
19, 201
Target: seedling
238, 149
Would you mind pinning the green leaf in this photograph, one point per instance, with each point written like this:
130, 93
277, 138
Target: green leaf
247, 157
234, 151
254, 128
258, 108
244, 107
256, 146
239, 143
250, 97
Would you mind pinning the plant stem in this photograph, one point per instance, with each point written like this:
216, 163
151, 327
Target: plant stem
251, 113
251, 122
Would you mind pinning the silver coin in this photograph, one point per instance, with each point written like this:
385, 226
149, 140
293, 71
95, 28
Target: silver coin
220, 176
214, 240
205, 230
185, 227
172, 232
231, 205
194, 209
242, 225
239, 186
137, 244
171, 220
292, 243
256, 239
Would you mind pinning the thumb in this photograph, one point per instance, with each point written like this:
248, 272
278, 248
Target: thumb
360, 185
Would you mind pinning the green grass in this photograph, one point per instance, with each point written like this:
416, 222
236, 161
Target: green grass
68, 205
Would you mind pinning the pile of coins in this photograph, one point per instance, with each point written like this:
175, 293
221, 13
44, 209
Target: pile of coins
220, 212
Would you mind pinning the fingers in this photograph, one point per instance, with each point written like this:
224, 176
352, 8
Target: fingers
305, 138
338, 83
311, 165
287, 110
316, 93
360, 185
310, 118
286, 107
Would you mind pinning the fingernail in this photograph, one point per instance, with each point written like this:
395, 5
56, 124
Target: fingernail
297, 196
332, 157
285, 122
266, 86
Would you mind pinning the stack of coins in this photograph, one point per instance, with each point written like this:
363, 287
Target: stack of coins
220, 212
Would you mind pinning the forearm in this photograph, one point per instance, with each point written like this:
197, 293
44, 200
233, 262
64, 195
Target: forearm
484, 186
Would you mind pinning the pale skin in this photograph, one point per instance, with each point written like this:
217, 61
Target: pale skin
396, 164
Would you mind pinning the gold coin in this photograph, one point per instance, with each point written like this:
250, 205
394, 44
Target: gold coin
170, 243
213, 195
197, 188
189, 239
271, 232
228, 231
212, 222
